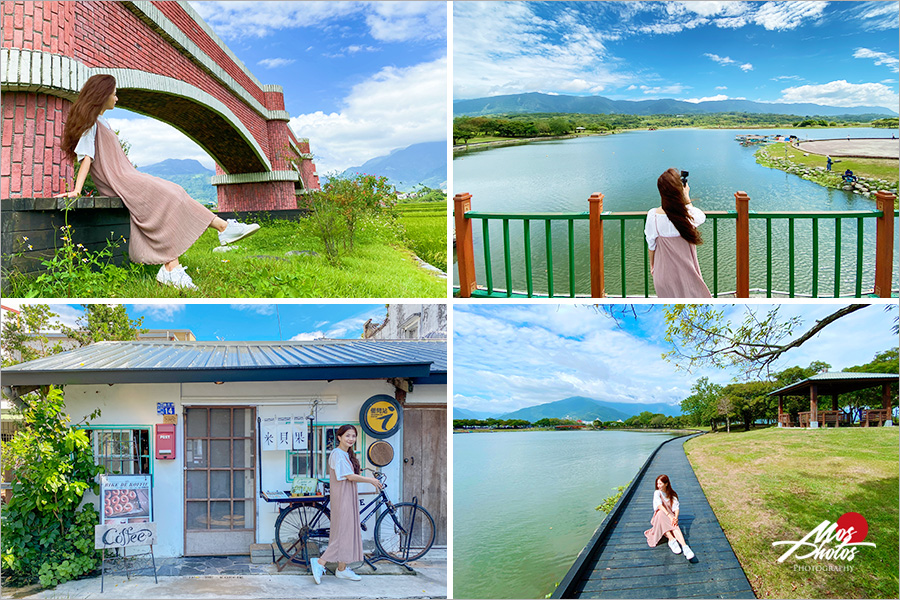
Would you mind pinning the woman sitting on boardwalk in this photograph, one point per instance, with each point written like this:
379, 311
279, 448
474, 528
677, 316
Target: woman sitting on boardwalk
165, 220
665, 518
672, 239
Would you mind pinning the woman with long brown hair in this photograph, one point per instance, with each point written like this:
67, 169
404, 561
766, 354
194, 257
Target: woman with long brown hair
672, 237
345, 537
665, 519
165, 220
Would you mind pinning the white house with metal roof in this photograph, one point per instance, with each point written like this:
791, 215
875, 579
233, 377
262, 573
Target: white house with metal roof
222, 398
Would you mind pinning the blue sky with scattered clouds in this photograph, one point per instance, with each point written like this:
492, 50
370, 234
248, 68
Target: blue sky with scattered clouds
360, 78
831, 53
245, 322
510, 356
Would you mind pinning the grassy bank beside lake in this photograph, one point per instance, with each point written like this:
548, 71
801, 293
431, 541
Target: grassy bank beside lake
426, 230
778, 484
874, 173
283, 260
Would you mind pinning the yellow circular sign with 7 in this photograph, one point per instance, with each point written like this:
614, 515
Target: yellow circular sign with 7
381, 416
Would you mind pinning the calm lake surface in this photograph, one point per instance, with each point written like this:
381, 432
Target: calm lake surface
560, 175
523, 504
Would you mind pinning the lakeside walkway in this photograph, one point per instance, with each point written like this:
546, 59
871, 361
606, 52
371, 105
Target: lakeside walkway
618, 563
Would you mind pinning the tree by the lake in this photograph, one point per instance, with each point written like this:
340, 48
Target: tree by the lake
701, 335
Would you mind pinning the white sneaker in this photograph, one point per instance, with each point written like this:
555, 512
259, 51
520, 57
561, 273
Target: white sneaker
177, 277
317, 569
688, 553
235, 231
675, 547
347, 574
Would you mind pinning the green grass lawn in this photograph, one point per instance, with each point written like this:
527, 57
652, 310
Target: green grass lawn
426, 230
876, 168
380, 266
778, 484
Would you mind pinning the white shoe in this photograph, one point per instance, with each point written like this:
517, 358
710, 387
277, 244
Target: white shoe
688, 553
347, 574
235, 231
675, 547
317, 569
177, 277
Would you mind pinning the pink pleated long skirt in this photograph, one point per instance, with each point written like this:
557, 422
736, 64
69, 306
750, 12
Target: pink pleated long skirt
345, 539
165, 221
660, 524
676, 272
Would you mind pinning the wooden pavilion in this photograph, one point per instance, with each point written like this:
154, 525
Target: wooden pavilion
835, 384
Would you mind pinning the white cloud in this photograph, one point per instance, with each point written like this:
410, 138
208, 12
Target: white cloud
746, 67
260, 309
153, 141
842, 93
721, 87
161, 312
781, 77
780, 16
878, 14
722, 60
308, 336
707, 98
394, 108
676, 88
386, 21
272, 63
880, 58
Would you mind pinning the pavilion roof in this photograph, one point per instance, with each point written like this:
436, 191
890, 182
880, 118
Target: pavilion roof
836, 383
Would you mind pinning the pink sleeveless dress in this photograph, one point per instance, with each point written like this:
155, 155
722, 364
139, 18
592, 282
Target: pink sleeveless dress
165, 221
660, 524
345, 539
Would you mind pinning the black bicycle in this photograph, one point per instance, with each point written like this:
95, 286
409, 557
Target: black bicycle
403, 531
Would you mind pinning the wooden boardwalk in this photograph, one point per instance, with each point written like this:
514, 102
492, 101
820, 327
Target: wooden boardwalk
618, 563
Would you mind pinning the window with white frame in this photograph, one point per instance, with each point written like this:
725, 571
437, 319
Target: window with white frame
121, 450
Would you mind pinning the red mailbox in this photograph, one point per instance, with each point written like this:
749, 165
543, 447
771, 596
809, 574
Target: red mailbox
165, 441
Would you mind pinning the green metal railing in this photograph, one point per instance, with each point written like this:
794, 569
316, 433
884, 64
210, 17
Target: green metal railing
625, 258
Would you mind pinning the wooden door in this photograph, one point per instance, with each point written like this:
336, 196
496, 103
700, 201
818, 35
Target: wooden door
219, 480
425, 463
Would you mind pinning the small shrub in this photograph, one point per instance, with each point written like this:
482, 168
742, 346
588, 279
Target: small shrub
45, 535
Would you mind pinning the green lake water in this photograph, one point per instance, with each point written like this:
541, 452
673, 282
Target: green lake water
560, 175
523, 504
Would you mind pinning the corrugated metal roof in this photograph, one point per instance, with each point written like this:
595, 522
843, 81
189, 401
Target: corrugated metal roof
854, 380
235, 361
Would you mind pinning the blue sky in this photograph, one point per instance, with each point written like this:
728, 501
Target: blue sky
360, 78
248, 322
831, 53
510, 356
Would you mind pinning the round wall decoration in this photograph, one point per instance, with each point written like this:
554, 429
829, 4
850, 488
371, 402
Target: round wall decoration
381, 416
380, 453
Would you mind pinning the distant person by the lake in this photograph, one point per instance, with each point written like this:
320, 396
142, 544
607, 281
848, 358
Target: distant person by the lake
665, 519
672, 238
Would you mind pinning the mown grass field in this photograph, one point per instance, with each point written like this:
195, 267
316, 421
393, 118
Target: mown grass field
380, 266
779, 484
426, 231
876, 168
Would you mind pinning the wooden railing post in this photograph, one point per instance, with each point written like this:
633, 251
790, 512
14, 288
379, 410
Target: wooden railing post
465, 249
596, 228
884, 244
742, 237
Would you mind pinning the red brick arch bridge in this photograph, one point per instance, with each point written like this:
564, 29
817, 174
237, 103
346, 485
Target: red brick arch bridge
168, 65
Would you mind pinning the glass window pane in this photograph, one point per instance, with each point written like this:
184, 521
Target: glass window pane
220, 422
196, 515
196, 422
220, 453
244, 485
243, 422
196, 484
242, 455
220, 515
196, 454
220, 484
243, 515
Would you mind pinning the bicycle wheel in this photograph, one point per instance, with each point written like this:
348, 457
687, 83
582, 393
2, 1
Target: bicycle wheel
404, 533
301, 524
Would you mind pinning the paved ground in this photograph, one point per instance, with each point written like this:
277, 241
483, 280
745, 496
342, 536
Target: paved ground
624, 566
870, 148
235, 577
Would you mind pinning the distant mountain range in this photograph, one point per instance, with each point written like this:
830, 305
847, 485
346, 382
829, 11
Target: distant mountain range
410, 167
189, 174
535, 102
575, 407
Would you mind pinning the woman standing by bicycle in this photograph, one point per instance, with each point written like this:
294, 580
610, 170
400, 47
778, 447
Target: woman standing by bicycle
165, 220
345, 538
